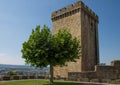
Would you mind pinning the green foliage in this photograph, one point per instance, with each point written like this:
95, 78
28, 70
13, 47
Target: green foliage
67, 48
43, 48
11, 73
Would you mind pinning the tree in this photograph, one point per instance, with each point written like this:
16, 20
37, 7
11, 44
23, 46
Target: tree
11, 73
43, 48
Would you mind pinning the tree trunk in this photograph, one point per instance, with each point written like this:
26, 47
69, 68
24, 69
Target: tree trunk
51, 74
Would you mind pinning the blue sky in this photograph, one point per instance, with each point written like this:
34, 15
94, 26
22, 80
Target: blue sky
19, 17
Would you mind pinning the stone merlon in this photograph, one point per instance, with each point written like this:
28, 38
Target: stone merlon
71, 9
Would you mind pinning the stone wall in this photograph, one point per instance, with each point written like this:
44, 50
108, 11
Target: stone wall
116, 64
4, 78
101, 73
84, 76
106, 72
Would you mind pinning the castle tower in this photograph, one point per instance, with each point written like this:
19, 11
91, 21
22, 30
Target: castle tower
82, 22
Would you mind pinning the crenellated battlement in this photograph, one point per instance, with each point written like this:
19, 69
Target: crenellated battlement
72, 9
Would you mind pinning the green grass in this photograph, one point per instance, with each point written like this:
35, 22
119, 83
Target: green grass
36, 82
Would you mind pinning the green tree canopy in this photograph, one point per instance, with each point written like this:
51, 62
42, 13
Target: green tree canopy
11, 73
43, 48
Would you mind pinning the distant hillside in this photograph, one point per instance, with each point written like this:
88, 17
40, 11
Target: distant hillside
21, 67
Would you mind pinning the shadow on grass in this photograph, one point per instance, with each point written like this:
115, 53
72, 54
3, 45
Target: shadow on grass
72, 83
64, 83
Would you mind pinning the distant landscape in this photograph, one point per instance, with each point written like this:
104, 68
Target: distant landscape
22, 70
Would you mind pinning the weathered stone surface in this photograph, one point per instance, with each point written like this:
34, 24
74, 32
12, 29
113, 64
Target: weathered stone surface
101, 73
82, 22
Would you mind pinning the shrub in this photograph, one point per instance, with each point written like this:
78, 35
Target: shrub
6, 78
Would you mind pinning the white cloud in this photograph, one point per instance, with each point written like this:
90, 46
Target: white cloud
9, 59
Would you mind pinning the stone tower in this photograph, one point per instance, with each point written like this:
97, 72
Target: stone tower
82, 22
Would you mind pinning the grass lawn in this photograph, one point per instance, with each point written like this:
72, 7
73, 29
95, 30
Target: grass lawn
36, 82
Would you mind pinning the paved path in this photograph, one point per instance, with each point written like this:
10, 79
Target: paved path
89, 83
93, 83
